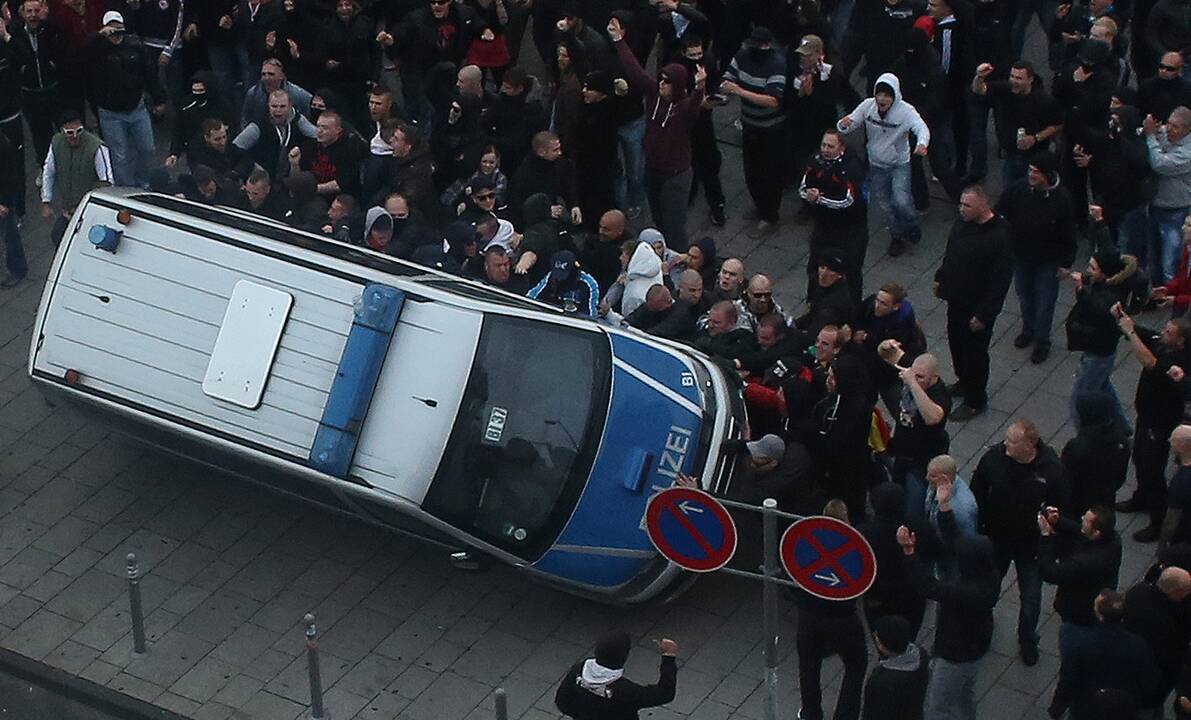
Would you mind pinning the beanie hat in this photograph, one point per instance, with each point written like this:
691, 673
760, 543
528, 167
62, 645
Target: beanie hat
598, 80
1109, 261
613, 649
894, 633
1045, 161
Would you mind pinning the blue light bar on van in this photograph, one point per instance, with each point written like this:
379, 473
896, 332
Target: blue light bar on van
359, 370
104, 237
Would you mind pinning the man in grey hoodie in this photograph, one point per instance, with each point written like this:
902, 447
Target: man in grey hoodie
888, 122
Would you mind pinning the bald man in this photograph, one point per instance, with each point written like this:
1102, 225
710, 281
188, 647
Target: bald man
470, 82
730, 280
663, 316
1176, 527
601, 252
1155, 611
757, 301
690, 289
921, 430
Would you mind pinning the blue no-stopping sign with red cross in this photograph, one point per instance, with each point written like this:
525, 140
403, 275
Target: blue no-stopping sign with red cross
691, 529
828, 558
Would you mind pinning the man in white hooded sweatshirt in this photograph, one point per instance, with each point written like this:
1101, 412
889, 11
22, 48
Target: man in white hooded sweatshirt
888, 122
596, 689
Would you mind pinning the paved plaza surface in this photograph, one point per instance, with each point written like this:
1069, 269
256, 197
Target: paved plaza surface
229, 569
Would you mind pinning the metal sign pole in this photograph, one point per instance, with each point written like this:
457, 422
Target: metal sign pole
769, 604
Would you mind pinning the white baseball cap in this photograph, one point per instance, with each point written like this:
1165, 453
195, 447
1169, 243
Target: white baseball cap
111, 16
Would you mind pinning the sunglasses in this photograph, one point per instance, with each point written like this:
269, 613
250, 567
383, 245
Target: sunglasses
664, 78
484, 196
440, 2
761, 295
1169, 68
72, 132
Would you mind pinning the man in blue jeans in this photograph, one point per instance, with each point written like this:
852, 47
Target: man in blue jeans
122, 70
888, 122
1042, 225
1170, 157
1013, 481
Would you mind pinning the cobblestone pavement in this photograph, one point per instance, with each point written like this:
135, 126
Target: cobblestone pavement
229, 570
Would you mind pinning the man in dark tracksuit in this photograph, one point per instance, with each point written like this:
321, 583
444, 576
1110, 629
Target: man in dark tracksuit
1092, 565
596, 689
832, 189
39, 44
705, 150
974, 279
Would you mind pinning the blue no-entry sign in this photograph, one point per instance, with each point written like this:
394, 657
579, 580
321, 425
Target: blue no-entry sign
691, 529
828, 558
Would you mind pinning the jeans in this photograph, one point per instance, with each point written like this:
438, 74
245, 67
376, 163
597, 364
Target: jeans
951, 693
1095, 375
1151, 452
1037, 286
841, 17
14, 249
1044, 9
1131, 234
667, 196
890, 187
818, 638
15, 132
1071, 636
129, 136
1166, 241
630, 186
230, 66
1029, 588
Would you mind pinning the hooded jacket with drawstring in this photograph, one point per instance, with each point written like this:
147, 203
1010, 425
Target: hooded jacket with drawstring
590, 691
644, 271
963, 629
887, 135
668, 123
376, 217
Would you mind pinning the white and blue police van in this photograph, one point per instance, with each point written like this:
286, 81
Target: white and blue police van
433, 405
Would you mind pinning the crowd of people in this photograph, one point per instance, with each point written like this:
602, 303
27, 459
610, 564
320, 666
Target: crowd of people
416, 128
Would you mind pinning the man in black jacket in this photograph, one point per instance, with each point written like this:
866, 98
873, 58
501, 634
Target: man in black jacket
1092, 565
1121, 179
121, 71
1041, 220
1107, 657
511, 121
817, 95
41, 46
896, 689
963, 632
1156, 611
1092, 328
973, 279
1159, 404
1085, 88
1012, 481
596, 689
10, 189
831, 302
438, 32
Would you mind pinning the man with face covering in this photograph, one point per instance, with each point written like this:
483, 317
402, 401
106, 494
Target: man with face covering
596, 689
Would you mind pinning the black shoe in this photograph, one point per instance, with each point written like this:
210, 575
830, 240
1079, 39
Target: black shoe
897, 246
965, 412
1041, 352
956, 389
1132, 505
1147, 534
717, 215
1022, 341
1029, 655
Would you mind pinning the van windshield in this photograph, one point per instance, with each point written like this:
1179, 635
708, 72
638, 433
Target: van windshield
522, 448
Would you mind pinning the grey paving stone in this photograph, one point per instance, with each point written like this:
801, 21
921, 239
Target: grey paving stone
169, 658
267, 706
27, 567
449, 696
551, 658
107, 502
185, 562
78, 561
54, 500
218, 616
107, 537
440, 656
204, 680
72, 657
239, 690
492, 657
293, 681
342, 704
370, 676
352, 637
410, 639
40, 634
383, 706
242, 647
100, 672
213, 711
269, 664
108, 626
134, 686
87, 595
413, 682
48, 585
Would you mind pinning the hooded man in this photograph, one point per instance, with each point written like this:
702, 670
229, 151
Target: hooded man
200, 105
1041, 221
1119, 171
378, 230
596, 689
670, 117
1097, 458
596, 162
896, 689
888, 122
643, 270
541, 238
458, 252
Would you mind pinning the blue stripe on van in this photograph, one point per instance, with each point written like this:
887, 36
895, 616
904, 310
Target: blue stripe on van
355, 380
